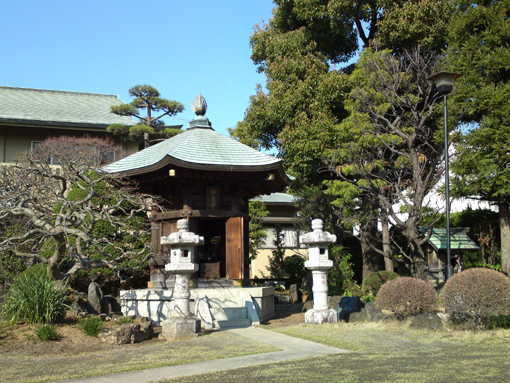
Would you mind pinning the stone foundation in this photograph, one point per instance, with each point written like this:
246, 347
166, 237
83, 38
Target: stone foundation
176, 327
321, 316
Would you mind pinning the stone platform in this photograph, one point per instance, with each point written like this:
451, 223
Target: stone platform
218, 307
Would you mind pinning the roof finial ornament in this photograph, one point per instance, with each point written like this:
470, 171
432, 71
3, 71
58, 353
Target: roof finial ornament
199, 105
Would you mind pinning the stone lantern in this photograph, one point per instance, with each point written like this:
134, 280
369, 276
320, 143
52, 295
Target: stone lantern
182, 243
318, 262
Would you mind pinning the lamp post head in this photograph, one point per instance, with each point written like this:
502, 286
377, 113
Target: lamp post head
444, 81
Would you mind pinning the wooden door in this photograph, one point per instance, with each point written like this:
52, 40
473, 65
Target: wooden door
234, 233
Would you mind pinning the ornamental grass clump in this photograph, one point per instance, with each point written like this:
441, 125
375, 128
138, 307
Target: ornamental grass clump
124, 320
406, 297
34, 299
46, 332
476, 295
92, 326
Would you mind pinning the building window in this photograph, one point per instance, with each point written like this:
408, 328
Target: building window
290, 237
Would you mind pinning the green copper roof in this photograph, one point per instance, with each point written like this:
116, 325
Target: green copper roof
459, 239
277, 198
55, 107
199, 147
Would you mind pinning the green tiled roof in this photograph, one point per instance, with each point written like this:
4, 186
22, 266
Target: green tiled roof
459, 239
196, 147
55, 107
277, 198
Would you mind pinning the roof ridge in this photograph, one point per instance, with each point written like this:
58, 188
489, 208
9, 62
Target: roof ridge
116, 96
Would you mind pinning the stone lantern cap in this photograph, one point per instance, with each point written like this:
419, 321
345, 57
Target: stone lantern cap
183, 237
317, 236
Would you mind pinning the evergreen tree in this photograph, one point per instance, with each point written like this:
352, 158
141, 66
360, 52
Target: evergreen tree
479, 49
147, 98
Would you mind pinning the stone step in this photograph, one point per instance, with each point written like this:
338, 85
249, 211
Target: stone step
228, 313
232, 323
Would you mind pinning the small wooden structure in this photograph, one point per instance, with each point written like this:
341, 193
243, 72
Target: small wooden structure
436, 249
208, 179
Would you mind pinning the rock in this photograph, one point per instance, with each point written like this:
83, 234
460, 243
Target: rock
281, 298
115, 302
333, 301
346, 306
140, 320
374, 314
125, 334
294, 294
321, 316
445, 318
357, 316
106, 307
95, 298
176, 327
147, 330
308, 305
429, 321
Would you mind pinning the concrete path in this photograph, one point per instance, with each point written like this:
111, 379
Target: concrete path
292, 348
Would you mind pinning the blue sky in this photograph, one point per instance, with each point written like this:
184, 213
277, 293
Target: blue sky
180, 47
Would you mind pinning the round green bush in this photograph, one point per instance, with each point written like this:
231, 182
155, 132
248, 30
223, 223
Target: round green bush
374, 281
476, 295
406, 297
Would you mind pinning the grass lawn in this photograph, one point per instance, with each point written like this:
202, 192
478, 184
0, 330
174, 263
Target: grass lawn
51, 367
385, 353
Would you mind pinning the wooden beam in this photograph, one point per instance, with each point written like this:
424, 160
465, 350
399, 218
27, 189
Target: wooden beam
177, 214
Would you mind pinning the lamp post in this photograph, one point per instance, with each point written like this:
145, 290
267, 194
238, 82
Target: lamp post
444, 85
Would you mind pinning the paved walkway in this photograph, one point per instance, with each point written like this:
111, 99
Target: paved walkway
292, 348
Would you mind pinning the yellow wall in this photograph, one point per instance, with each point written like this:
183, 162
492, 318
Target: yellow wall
259, 265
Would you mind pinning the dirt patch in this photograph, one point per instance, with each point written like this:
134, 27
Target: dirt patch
20, 340
284, 318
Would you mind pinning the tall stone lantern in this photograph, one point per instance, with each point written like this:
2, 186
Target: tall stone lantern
182, 256
318, 262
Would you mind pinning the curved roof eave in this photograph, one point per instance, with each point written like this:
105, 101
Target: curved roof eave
169, 160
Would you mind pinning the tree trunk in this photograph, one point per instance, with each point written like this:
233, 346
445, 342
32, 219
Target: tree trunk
420, 268
388, 262
146, 140
58, 255
504, 222
372, 260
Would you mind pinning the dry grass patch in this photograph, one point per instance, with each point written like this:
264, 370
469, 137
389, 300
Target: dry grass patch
151, 354
389, 352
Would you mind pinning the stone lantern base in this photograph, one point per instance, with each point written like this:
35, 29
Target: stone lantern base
321, 316
175, 327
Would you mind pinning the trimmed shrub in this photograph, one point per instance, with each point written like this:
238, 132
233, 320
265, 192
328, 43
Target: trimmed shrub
502, 321
476, 295
46, 332
374, 281
34, 299
92, 326
406, 297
